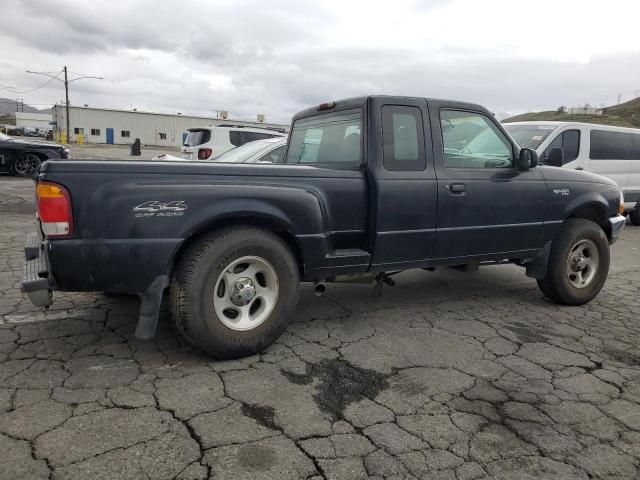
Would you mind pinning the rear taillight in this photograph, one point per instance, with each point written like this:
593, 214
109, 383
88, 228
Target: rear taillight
54, 210
204, 153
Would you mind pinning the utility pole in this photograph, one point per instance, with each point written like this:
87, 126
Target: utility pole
66, 95
66, 82
619, 97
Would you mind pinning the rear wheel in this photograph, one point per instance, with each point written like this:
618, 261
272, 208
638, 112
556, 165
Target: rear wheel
26, 165
634, 216
233, 292
578, 263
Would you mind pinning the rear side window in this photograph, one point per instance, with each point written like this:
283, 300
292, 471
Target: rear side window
607, 145
197, 137
333, 138
238, 137
635, 146
402, 138
274, 156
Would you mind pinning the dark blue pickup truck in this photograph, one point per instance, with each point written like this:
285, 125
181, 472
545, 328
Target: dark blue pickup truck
370, 186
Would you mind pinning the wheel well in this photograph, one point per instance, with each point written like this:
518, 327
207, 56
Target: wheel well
260, 222
596, 213
41, 156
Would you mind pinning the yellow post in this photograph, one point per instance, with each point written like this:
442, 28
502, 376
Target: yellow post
80, 139
63, 140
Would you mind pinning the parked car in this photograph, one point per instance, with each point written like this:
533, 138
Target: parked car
613, 152
370, 186
270, 150
205, 143
23, 157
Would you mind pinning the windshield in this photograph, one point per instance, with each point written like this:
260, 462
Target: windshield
4, 138
197, 137
243, 153
529, 136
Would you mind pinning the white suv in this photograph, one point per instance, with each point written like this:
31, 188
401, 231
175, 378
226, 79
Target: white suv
205, 143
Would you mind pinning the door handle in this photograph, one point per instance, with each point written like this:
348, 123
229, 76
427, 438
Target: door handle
457, 188
579, 168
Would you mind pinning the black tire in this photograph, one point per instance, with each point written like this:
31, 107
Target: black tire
194, 280
634, 216
557, 285
26, 165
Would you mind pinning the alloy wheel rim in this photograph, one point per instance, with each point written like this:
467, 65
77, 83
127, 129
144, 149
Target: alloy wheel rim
582, 263
246, 293
27, 164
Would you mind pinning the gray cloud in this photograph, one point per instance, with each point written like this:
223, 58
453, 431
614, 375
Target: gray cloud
275, 58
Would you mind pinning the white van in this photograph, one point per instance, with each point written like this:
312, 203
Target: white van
205, 143
612, 152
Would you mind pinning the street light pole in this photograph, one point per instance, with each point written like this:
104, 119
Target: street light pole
66, 93
66, 82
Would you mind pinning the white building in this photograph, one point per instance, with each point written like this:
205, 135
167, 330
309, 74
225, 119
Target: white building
33, 120
105, 125
586, 110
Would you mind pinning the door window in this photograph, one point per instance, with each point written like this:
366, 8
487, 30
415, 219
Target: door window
472, 140
327, 139
569, 142
402, 138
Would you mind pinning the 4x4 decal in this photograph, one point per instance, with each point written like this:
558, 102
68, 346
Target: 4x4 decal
155, 208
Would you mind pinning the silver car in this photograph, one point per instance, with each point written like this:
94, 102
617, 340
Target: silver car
270, 150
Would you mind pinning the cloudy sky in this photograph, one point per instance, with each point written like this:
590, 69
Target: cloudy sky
279, 56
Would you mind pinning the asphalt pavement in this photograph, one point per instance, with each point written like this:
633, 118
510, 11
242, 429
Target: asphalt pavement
447, 375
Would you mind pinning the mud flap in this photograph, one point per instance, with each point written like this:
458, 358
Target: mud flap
149, 311
537, 268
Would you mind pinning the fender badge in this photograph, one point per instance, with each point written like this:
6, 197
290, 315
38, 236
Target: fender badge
155, 208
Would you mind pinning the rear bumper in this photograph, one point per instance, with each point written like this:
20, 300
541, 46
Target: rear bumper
36, 281
616, 225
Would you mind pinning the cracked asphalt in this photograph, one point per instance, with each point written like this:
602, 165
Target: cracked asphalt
446, 376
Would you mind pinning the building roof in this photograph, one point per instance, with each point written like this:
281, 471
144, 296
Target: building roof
177, 114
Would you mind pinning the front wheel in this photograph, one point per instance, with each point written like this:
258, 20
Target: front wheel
26, 165
578, 263
233, 292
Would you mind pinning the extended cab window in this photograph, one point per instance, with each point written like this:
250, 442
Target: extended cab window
471, 140
402, 138
569, 142
333, 138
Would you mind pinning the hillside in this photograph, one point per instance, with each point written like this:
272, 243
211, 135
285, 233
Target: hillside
8, 107
624, 115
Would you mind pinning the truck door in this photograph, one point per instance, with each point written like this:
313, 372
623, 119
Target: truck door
404, 193
485, 204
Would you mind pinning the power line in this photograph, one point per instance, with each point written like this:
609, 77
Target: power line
66, 82
44, 84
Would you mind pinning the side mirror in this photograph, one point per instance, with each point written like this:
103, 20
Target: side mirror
556, 157
527, 159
